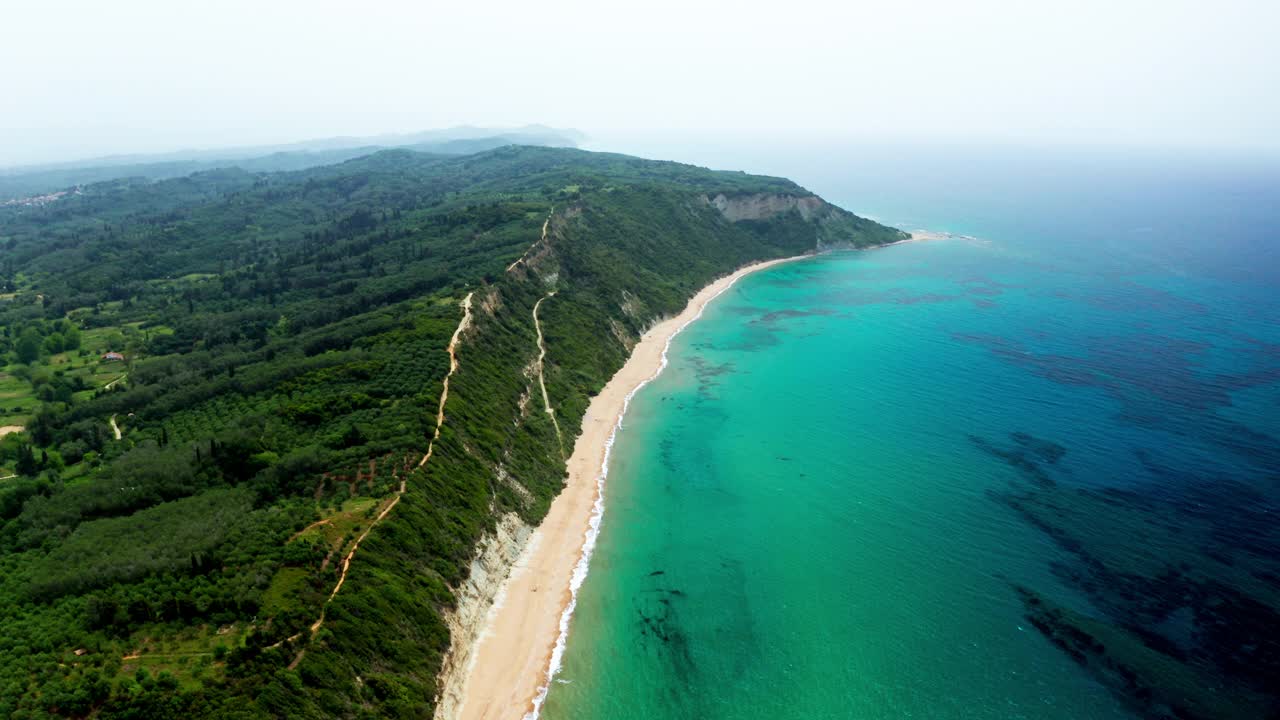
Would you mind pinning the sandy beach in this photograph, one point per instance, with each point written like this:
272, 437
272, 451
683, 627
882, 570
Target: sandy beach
926, 235
510, 664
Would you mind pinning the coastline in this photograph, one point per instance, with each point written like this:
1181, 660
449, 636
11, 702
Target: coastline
524, 632
921, 236
932, 235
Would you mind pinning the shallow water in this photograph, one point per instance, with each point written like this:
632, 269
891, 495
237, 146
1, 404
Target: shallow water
803, 512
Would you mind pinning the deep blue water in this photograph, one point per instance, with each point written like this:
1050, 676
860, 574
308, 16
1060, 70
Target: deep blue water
836, 499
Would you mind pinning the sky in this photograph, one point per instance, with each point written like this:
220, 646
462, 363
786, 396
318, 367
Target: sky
92, 78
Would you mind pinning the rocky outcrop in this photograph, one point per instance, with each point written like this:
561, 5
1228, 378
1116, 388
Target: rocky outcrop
495, 557
835, 228
762, 206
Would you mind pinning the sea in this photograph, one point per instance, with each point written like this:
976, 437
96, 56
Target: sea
839, 496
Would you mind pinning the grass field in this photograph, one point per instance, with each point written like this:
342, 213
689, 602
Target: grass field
19, 384
190, 655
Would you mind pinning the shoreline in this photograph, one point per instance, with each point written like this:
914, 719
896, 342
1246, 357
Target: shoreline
931, 236
920, 236
519, 649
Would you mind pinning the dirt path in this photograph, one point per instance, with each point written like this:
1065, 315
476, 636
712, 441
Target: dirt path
542, 354
115, 429
135, 656
545, 224
453, 366
346, 560
315, 524
9, 429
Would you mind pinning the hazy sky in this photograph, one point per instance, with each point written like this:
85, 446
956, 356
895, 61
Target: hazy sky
89, 78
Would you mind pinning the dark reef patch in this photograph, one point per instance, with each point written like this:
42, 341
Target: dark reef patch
1150, 682
1028, 455
777, 316
1126, 296
983, 290
662, 631
1160, 382
856, 296
709, 375
753, 339
764, 330
1045, 450
1180, 569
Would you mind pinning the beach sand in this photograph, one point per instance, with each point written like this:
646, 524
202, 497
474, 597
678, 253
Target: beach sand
510, 663
927, 235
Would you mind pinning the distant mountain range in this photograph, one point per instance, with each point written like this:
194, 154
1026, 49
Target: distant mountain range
26, 181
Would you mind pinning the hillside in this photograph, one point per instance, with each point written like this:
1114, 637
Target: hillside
265, 536
34, 184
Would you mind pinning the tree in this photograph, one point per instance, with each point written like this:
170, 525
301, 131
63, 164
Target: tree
26, 464
28, 346
54, 344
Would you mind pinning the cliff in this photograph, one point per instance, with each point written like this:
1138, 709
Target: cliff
834, 227
496, 555
609, 271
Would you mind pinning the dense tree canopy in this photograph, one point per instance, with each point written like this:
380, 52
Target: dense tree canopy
226, 377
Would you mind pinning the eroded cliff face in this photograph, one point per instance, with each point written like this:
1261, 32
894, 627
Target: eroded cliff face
834, 227
495, 557
764, 206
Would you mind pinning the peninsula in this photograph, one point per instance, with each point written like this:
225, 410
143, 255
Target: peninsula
355, 399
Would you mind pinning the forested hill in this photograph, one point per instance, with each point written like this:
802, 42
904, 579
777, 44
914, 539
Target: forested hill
42, 183
228, 382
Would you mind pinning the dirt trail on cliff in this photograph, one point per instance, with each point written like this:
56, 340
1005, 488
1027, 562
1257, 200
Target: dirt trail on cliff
395, 499
545, 224
453, 367
542, 354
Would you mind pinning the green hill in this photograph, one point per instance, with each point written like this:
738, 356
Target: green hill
30, 184
284, 341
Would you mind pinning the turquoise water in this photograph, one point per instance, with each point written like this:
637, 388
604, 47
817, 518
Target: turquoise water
803, 512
